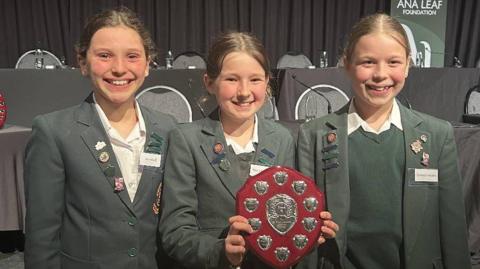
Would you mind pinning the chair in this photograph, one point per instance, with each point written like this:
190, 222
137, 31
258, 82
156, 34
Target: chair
269, 109
294, 60
318, 101
189, 60
167, 100
39, 59
472, 106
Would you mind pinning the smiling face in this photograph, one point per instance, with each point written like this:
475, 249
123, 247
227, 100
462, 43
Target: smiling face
240, 88
117, 65
378, 68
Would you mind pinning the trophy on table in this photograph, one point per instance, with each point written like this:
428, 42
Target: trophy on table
283, 207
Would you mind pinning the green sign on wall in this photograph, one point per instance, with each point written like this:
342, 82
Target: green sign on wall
425, 23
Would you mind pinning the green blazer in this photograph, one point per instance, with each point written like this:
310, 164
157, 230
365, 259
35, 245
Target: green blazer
199, 195
75, 218
433, 213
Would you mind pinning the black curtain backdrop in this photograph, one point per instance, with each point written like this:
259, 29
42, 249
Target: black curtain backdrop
307, 26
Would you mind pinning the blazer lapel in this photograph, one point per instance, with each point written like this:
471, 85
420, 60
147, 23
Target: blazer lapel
415, 198
93, 136
334, 166
265, 153
216, 152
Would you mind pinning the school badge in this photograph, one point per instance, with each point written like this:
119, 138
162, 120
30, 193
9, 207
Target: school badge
283, 207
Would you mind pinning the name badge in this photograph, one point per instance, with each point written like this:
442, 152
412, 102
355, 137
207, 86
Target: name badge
150, 159
426, 175
255, 169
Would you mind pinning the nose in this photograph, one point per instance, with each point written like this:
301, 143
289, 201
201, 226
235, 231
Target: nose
243, 89
118, 66
380, 72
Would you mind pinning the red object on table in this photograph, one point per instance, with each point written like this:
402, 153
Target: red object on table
3, 111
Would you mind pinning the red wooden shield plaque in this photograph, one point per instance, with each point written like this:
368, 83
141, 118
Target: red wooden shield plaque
283, 207
3, 111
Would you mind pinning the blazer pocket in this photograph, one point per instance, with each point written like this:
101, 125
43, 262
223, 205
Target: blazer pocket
437, 263
71, 262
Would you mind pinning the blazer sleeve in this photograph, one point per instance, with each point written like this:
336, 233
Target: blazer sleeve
451, 209
44, 184
180, 235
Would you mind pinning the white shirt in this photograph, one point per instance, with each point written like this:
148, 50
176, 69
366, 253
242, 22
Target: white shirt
354, 121
249, 147
127, 151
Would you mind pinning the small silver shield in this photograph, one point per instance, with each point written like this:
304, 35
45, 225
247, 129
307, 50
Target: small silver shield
282, 253
310, 203
299, 186
264, 242
255, 223
280, 177
309, 223
251, 204
300, 241
281, 213
261, 187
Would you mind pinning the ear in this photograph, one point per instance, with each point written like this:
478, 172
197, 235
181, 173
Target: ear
208, 82
82, 62
147, 68
407, 68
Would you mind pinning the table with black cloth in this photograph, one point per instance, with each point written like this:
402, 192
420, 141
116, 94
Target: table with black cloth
31, 92
439, 92
12, 198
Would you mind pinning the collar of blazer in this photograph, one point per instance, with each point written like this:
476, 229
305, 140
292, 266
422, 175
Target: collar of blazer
94, 132
220, 160
335, 181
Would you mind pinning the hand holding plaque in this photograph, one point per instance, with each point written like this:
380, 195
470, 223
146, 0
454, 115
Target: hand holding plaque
283, 208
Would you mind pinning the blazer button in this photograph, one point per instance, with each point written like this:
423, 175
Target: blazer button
132, 252
132, 221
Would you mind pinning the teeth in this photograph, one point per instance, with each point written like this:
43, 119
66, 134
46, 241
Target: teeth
119, 82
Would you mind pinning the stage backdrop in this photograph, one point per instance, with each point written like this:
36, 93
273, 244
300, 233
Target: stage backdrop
424, 22
308, 26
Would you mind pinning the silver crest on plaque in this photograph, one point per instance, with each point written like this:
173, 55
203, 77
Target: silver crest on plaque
261, 187
309, 223
255, 223
280, 177
282, 253
310, 203
251, 204
299, 186
300, 241
264, 241
281, 213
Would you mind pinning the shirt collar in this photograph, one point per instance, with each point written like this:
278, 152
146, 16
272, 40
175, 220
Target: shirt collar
249, 147
108, 127
354, 120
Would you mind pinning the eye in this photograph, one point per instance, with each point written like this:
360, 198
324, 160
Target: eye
104, 55
395, 62
232, 79
256, 80
133, 56
367, 62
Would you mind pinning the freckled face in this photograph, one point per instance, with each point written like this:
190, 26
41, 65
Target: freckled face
116, 63
378, 69
241, 87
